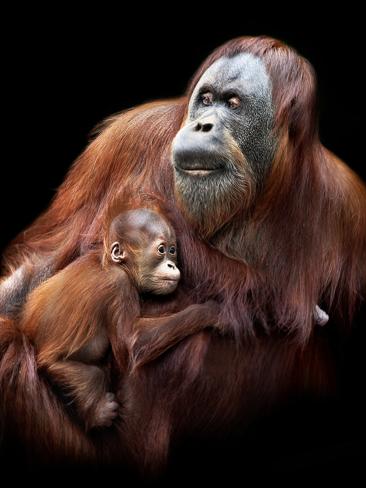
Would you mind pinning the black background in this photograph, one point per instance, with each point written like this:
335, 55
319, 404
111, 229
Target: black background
64, 71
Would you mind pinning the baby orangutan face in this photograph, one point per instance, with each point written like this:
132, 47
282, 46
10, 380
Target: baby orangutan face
146, 247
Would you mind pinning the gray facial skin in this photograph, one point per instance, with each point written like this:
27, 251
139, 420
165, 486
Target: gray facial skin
225, 148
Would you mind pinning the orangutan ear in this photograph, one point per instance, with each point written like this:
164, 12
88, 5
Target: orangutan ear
117, 254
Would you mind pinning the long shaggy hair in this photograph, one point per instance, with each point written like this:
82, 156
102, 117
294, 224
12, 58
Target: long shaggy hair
301, 241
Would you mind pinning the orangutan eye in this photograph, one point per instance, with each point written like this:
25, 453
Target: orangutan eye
161, 249
234, 102
172, 250
207, 98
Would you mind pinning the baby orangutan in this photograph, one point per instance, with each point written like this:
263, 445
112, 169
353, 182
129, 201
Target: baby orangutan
74, 316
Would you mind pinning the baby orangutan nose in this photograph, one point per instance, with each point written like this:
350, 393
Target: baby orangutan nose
172, 272
168, 277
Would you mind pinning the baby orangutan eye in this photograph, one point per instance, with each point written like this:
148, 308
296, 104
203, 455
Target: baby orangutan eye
172, 250
161, 249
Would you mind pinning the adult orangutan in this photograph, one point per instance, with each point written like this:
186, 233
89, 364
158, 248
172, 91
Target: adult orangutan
269, 223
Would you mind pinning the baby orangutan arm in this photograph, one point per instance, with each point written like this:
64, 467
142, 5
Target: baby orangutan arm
154, 336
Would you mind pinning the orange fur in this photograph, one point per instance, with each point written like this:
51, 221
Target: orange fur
300, 241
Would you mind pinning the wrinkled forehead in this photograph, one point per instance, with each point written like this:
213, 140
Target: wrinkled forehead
147, 225
244, 72
159, 229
